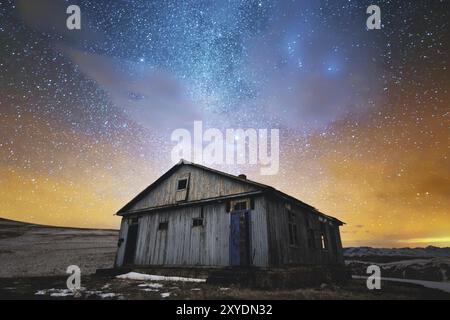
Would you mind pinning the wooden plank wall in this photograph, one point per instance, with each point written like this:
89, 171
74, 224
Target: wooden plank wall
122, 235
282, 253
259, 238
184, 244
181, 243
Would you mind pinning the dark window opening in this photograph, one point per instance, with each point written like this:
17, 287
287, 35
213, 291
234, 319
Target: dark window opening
293, 233
323, 237
182, 184
291, 217
324, 242
307, 221
252, 203
333, 240
241, 205
197, 222
293, 239
163, 225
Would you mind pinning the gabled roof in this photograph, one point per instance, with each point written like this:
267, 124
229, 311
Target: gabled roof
260, 186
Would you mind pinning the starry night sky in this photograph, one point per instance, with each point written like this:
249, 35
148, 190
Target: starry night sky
86, 115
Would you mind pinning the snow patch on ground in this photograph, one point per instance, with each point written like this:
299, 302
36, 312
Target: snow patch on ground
55, 292
150, 290
107, 295
151, 277
151, 285
59, 293
40, 293
165, 294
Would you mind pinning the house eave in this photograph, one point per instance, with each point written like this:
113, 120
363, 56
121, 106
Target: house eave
189, 203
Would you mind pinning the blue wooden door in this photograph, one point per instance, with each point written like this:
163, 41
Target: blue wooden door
240, 238
234, 239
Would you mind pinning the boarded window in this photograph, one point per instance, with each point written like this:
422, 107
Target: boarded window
293, 231
163, 225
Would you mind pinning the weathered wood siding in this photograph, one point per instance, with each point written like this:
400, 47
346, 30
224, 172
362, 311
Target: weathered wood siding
202, 185
281, 252
122, 237
181, 243
184, 244
259, 238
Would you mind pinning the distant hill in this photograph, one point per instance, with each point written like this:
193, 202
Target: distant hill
429, 263
28, 249
8, 222
427, 252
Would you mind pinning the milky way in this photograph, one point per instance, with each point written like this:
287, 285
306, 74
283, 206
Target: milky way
86, 115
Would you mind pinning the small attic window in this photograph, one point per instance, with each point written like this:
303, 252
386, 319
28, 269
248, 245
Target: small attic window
182, 187
182, 184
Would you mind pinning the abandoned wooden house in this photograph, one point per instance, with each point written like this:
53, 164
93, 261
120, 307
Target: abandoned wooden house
197, 216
